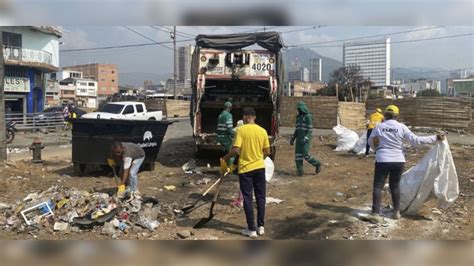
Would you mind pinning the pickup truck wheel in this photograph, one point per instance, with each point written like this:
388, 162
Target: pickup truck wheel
151, 119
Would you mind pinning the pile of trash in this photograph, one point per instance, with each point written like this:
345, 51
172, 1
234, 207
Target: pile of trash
68, 209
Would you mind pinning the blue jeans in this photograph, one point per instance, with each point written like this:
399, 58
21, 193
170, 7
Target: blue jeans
253, 181
133, 178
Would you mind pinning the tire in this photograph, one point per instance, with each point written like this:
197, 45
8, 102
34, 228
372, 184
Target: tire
10, 136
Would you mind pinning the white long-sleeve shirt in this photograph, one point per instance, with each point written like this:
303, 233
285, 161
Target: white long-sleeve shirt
391, 134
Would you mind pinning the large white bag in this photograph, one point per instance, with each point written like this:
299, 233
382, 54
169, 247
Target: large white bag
359, 147
269, 169
435, 174
346, 138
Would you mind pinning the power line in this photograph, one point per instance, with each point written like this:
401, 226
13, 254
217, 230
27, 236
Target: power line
405, 41
179, 33
122, 46
146, 37
366, 37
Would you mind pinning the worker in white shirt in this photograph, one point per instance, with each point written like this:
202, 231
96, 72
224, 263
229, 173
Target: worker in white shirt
387, 140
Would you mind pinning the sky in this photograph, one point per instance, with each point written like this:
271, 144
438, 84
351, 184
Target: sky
449, 53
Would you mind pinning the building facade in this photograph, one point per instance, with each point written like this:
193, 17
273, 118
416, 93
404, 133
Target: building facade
106, 76
29, 54
373, 57
315, 70
460, 87
185, 54
412, 87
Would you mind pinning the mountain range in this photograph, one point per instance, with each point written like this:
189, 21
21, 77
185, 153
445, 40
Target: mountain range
304, 54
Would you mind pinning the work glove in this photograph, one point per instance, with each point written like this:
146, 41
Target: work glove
292, 141
440, 137
111, 162
121, 189
224, 167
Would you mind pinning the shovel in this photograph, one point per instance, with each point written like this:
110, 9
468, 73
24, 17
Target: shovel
204, 221
116, 178
192, 206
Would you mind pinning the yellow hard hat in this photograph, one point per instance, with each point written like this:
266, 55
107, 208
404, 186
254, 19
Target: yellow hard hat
378, 110
393, 109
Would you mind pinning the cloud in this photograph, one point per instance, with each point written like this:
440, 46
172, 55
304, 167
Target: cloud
76, 39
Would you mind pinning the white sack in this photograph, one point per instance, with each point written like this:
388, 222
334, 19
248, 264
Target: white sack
359, 147
269, 169
434, 174
346, 138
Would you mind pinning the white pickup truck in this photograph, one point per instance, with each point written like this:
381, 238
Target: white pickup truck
125, 111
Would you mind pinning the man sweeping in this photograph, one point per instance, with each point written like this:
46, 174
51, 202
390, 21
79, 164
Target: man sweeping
302, 137
252, 145
131, 157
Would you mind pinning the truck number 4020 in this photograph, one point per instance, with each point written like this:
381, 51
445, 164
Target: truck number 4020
261, 66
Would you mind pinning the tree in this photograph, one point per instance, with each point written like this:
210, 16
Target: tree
429, 93
349, 79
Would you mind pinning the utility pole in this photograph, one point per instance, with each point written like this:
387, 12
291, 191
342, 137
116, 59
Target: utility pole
3, 145
173, 36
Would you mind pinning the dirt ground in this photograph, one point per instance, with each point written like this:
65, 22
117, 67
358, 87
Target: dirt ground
313, 206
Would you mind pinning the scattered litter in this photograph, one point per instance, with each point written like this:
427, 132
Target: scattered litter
170, 187
184, 234
436, 211
270, 200
369, 218
333, 221
43, 208
339, 194
189, 166
208, 166
203, 181
70, 210
60, 226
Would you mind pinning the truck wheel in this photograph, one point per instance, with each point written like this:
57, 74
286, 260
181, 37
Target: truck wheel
151, 119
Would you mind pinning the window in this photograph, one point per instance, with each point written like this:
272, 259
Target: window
113, 72
11, 39
139, 108
83, 83
113, 80
128, 110
91, 84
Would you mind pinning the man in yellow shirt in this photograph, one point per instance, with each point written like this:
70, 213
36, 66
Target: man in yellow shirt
375, 118
252, 145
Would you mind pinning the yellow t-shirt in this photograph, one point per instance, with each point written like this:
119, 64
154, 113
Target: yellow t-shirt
251, 139
375, 118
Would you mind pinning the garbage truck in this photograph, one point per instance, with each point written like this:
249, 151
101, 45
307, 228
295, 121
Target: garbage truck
227, 68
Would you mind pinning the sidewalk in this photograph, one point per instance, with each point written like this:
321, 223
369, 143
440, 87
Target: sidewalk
25, 139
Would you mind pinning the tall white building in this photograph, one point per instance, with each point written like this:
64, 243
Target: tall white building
373, 57
185, 54
315, 69
304, 74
